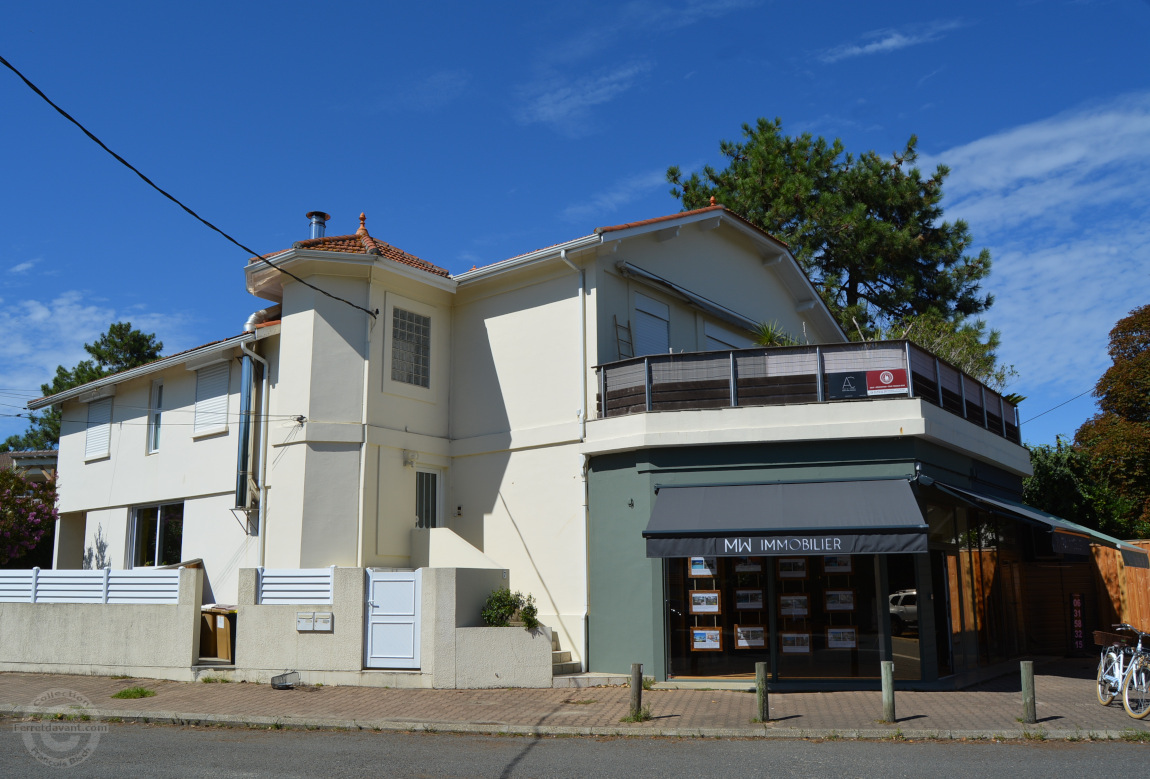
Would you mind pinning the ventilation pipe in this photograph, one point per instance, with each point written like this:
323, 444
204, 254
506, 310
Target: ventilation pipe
244, 455
262, 484
318, 221
269, 314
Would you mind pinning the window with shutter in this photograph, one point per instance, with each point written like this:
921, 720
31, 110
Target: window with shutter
211, 399
155, 416
652, 326
98, 441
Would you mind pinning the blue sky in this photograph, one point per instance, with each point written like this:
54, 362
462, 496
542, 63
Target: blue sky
472, 132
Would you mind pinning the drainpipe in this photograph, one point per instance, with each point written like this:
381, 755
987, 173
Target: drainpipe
583, 437
582, 343
244, 455
263, 485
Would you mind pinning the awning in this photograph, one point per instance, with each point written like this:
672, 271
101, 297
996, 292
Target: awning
1068, 537
810, 518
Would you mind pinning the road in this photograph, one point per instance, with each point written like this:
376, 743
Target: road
164, 751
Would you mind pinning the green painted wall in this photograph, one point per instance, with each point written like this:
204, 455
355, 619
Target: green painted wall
625, 620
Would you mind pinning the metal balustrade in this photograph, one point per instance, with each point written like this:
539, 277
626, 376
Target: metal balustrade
800, 374
139, 585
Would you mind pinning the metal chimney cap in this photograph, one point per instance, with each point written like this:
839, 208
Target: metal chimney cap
323, 217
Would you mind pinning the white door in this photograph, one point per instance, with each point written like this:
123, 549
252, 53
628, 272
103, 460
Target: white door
393, 619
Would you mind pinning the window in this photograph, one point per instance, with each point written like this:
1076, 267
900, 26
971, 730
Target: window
158, 535
211, 399
652, 326
99, 434
155, 412
426, 499
410, 348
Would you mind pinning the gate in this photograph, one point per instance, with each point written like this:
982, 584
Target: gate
392, 634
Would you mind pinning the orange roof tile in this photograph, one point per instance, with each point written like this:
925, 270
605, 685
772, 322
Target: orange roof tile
360, 243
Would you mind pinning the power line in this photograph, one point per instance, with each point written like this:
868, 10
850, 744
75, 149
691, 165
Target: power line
149, 182
1060, 405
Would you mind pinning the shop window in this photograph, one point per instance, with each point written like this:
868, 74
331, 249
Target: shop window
157, 535
817, 614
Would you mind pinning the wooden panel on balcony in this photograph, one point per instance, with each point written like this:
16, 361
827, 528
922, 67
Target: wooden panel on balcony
777, 390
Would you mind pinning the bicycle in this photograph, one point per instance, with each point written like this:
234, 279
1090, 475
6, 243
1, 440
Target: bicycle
1136, 684
1115, 659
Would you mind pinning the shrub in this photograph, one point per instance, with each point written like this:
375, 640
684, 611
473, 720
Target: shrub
503, 605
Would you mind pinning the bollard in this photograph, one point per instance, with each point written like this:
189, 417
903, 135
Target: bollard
1029, 714
761, 703
636, 689
888, 691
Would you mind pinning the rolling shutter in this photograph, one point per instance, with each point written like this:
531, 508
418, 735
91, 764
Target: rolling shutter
652, 326
99, 437
211, 398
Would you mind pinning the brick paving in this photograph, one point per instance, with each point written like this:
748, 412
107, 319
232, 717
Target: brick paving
1066, 706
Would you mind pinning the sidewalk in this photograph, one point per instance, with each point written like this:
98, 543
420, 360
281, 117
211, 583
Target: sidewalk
1066, 705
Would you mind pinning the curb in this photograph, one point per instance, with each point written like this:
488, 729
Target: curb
497, 729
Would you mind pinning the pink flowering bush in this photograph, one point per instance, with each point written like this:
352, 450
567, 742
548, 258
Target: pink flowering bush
27, 512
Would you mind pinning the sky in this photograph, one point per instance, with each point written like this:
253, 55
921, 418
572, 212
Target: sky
472, 132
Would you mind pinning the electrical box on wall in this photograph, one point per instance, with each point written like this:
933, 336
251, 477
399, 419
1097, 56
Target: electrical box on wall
305, 620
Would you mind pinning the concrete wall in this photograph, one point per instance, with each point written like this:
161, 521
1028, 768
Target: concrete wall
152, 641
266, 635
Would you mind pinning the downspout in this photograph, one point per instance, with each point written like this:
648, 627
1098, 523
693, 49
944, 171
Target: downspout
583, 437
244, 455
263, 485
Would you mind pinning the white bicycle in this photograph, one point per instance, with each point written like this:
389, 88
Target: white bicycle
1118, 650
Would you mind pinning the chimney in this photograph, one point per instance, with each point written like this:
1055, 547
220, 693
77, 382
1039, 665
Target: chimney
318, 223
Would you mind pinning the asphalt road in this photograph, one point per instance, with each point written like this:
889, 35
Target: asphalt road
164, 751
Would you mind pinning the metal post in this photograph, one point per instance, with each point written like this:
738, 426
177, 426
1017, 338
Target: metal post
982, 402
888, 691
602, 393
938, 382
636, 690
734, 390
1029, 715
762, 706
647, 380
1001, 417
909, 372
35, 584
819, 372
962, 386
108, 582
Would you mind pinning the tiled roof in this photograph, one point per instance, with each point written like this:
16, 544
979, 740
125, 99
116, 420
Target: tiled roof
361, 243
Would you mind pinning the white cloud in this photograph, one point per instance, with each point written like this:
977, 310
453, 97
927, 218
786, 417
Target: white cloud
41, 334
559, 101
611, 200
888, 40
1063, 207
23, 267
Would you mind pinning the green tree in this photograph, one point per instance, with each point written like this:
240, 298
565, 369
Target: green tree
1062, 485
1117, 440
119, 349
867, 229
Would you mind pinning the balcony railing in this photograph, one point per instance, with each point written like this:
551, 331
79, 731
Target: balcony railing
800, 374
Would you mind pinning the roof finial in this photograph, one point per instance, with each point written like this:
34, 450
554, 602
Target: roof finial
362, 227
712, 200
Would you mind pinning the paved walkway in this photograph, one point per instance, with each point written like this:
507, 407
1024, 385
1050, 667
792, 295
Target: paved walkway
1066, 706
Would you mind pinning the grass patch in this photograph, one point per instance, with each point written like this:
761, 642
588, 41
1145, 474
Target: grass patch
648, 682
896, 736
135, 692
586, 702
215, 680
642, 715
120, 676
1034, 735
1137, 736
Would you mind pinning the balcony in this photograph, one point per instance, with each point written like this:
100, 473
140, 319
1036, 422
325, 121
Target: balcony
831, 373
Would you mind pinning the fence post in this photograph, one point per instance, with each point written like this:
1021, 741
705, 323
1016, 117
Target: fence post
888, 691
647, 380
734, 384
636, 690
1029, 714
762, 705
35, 584
107, 582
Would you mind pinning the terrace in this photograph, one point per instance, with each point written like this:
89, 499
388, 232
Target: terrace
831, 373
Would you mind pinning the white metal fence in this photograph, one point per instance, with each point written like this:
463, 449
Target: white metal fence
141, 585
294, 585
